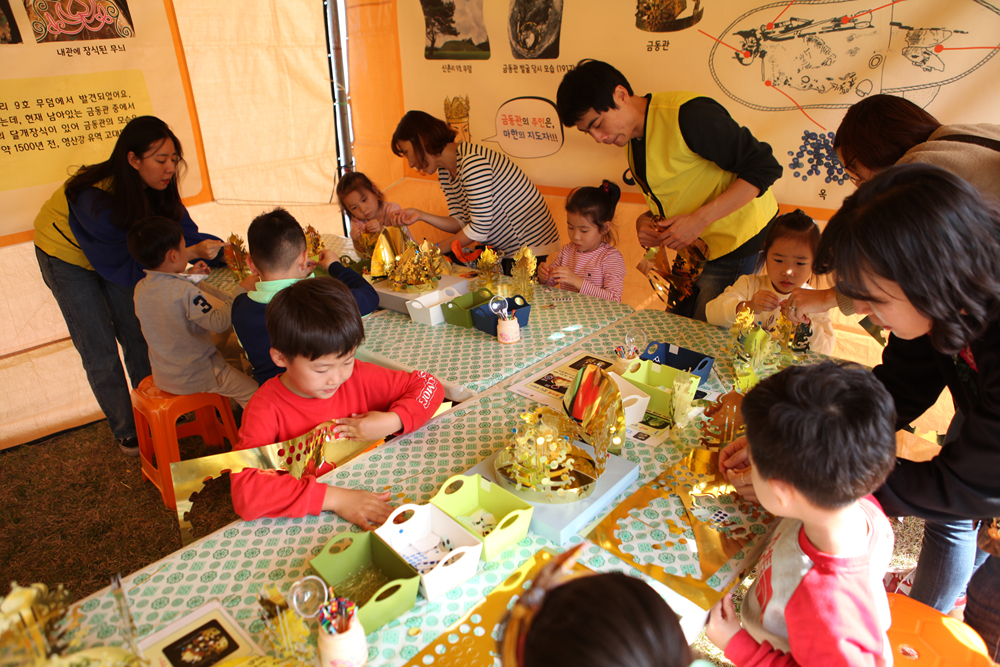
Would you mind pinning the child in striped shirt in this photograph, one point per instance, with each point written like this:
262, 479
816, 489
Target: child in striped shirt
589, 264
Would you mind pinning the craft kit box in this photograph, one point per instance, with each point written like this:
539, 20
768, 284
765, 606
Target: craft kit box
463, 495
393, 300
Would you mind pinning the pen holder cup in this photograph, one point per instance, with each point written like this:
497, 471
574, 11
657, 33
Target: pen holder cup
487, 321
508, 331
346, 649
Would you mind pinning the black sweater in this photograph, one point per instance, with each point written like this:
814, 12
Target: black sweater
963, 481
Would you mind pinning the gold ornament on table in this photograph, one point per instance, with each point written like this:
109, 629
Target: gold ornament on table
541, 464
390, 244
417, 268
236, 257
523, 273
754, 351
314, 242
489, 269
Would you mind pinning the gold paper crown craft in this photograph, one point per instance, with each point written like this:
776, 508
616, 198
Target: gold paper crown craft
456, 109
314, 242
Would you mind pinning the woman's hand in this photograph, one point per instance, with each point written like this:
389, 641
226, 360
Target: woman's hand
543, 273
565, 278
722, 622
764, 301
734, 463
804, 302
207, 249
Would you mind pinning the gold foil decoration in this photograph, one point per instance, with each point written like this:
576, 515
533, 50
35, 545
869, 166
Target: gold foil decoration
595, 402
674, 281
417, 268
725, 421
476, 630
314, 242
299, 456
695, 478
489, 269
390, 245
523, 273
236, 257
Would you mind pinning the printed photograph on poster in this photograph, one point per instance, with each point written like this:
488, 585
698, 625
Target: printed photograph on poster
550, 385
534, 27
72, 21
455, 30
205, 637
667, 15
9, 34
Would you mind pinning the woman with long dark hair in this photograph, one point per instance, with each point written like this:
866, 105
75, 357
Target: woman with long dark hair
80, 244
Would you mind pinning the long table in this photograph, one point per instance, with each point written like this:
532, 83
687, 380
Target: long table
466, 361
238, 561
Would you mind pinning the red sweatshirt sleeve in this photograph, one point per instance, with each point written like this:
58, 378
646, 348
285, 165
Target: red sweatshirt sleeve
415, 396
835, 627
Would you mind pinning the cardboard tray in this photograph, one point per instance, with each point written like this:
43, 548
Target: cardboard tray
389, 601
417, 539
427, 309
651, 375
680, 358
458, 311
393, 300
462, 495
486, 321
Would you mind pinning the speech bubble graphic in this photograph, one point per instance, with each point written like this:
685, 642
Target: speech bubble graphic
528, 127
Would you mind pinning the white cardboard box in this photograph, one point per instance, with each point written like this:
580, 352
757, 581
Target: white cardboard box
393, 300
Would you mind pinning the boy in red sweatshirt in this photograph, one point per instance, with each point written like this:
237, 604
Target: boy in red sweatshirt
315, 328
820, 439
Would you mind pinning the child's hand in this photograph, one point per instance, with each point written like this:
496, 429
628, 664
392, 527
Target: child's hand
565, 277
325, 258
373, 226
249, 282
544, 272
722, 622
369, 426
734, 462
364, 509
764, 301
199, 269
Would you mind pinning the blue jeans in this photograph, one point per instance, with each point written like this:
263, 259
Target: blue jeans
948, 558
983, 610
97, 313
713, 281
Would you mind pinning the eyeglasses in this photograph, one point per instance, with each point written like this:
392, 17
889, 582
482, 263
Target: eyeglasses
854, 179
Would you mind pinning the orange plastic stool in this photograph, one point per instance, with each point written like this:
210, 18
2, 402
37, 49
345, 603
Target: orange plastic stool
156, 414
921, 635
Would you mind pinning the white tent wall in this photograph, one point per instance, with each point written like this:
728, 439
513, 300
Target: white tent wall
261, 84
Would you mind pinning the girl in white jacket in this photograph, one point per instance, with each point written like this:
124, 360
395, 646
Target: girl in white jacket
787, 259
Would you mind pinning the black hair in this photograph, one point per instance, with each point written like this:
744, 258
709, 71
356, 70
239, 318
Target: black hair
274, 240
795, 225
150, 239
127, 195
425, 133
930, 232
353, 181
597, 205
605, 620
877, 131
589, 85
828, 429
313, 318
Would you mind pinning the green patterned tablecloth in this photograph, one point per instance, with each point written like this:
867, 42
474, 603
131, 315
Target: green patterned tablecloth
239, 561
468, 361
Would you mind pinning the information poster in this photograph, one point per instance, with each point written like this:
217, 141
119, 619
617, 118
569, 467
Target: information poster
75, 72
787, 70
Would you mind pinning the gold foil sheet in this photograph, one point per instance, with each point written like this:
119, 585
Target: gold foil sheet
390, 245
314, 242
236, 257
299, 456
694, 478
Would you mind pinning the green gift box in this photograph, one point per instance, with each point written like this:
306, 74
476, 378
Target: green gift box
650, 375
393, 598
464, 494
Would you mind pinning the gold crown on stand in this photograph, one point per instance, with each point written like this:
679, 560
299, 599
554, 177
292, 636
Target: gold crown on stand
456, 109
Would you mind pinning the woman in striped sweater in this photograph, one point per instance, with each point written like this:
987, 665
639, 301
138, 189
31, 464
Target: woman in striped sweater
490, 200
589, 263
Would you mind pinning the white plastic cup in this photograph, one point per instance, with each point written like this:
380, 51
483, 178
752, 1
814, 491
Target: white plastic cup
508, 331
346, 649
